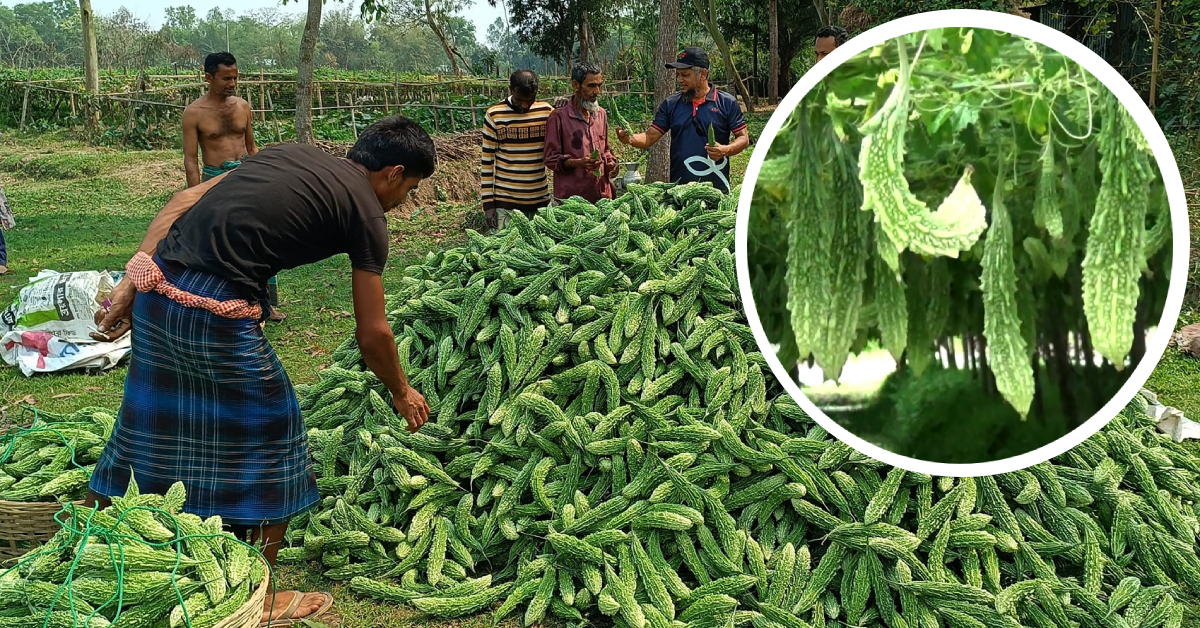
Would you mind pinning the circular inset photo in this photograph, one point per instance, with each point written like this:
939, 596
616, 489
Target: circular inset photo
956, 244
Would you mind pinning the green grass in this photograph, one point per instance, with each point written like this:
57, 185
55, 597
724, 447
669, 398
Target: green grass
1175, 378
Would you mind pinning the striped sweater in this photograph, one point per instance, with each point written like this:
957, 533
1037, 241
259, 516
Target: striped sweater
513, 172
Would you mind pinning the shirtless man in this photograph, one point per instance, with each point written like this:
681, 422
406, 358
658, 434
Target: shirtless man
217, 123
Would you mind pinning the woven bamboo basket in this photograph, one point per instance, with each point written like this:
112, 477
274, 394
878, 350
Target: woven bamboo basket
26, 525
250, 613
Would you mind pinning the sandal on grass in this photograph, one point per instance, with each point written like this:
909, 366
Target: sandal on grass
288, 616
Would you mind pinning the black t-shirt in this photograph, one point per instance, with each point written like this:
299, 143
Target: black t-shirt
287, 206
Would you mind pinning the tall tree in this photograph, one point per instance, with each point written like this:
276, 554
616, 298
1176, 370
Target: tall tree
18, 40
773, 80
513, 53
658, 164
553, 28
822, 11
344, 36
707, 11
438, 16
91, 58
304, 71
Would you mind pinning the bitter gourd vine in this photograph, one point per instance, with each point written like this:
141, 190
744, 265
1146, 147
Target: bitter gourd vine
1083, 253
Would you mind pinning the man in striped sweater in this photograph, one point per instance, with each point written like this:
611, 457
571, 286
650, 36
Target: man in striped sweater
513, 171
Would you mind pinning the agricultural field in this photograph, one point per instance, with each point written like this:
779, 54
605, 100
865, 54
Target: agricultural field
143, 111
85, 208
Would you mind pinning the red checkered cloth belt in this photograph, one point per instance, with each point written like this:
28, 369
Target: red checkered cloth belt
147, 276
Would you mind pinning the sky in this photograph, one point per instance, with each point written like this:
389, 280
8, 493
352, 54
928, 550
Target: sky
480, 12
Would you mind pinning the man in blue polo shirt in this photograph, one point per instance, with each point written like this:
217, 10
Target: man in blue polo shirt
687, 115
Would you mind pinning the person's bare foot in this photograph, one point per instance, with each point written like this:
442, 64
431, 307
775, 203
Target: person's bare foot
276, 316
288, 607
3, 269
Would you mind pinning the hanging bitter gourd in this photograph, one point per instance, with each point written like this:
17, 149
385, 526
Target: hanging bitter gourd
891, 308
808, 249
847, 232
905, 219
1116, 234
1007, 352
918, 352
1046, 212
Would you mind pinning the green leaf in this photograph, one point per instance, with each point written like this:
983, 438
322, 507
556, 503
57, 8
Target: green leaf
962, 116
935, 38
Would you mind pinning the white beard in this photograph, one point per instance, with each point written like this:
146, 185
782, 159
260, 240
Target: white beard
589, 105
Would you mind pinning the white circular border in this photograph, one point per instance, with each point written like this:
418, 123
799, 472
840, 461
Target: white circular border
1110, 78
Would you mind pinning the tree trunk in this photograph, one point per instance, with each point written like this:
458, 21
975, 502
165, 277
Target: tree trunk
757, 82
710, 20
91, 60
658, 165
1068, 403
585, 51
822, 11
621, 45
969, 353
595, 48
304, 72
773, 89
984, 370
437, 29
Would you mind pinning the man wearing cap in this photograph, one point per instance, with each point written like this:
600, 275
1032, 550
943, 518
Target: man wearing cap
687, 116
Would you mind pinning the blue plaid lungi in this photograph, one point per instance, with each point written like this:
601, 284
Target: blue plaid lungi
208, 403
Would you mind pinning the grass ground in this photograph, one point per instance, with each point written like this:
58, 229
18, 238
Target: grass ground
81, 208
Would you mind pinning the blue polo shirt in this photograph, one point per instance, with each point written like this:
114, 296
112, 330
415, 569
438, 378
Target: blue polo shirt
688, 121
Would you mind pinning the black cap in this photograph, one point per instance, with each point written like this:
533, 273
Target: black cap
690, 58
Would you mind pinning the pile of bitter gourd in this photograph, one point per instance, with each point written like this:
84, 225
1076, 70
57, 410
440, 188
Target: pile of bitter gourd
606, 441
54, 455
139, 562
